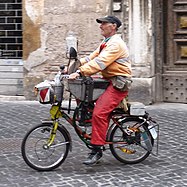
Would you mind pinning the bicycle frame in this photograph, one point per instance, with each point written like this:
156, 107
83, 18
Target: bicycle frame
57, 112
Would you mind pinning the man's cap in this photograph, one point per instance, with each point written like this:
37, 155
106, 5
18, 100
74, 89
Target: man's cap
109, 19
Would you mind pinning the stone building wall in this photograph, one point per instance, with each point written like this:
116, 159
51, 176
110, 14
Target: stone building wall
46, 24
141, 45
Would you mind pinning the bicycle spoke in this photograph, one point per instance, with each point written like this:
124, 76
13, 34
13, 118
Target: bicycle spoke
38, 154
134, 150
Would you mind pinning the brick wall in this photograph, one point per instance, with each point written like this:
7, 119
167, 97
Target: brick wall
47, 24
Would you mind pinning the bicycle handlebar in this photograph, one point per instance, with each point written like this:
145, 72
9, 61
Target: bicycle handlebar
65, 76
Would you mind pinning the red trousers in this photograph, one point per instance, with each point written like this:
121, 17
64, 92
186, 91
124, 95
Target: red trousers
106, 103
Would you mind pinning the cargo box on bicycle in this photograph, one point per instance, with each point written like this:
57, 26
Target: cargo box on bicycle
87, 89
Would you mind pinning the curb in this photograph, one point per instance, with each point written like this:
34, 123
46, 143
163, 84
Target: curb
12, 98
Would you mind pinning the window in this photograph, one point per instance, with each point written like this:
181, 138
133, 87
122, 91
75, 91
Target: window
10, 29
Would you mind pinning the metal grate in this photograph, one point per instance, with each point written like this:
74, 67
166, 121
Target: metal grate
10, 29
10, 145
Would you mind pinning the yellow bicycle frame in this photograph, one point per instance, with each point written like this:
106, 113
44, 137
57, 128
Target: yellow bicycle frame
55, 114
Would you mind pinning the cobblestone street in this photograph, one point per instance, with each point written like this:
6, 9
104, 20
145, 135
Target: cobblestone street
168, 169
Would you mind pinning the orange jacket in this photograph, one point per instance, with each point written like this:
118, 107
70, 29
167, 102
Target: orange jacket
113, 60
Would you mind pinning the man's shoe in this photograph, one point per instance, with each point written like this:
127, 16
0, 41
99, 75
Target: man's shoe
93, 158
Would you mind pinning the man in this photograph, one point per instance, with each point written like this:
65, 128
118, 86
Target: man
111, 58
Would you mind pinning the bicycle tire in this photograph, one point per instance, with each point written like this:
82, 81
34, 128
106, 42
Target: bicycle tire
35, 153
129, 153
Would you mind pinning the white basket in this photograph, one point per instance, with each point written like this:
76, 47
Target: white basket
137, 109
48, 93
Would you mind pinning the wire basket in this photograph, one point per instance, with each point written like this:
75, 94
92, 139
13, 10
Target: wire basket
50, 94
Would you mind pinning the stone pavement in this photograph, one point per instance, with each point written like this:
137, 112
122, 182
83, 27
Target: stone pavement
168, 169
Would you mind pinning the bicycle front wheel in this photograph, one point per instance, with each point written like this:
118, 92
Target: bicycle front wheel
37, 154
130, 148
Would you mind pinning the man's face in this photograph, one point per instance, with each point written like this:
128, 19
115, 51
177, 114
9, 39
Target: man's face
107, 29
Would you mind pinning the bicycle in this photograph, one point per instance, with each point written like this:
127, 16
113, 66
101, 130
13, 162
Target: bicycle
130, 138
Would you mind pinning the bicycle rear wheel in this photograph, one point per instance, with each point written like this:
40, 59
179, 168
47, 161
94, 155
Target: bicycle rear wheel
37, 154
130, 148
